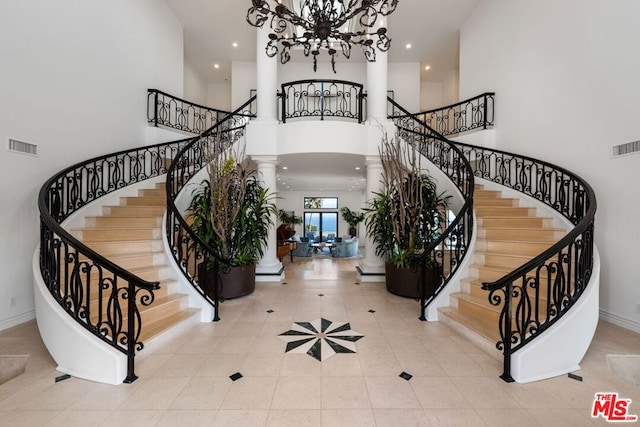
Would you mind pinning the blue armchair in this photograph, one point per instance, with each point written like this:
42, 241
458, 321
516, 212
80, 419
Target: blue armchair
303, 249
345, 249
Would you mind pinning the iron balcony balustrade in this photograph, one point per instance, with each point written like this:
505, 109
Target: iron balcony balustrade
172, 112
337, 99
470, 114
74, 274
188, 250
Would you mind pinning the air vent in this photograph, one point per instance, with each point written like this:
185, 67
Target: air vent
625, 149
15, 146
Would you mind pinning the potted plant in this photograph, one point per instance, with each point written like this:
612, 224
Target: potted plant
353, 218
404, 219
232, 213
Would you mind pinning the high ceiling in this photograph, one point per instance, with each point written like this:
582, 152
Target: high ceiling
211, 27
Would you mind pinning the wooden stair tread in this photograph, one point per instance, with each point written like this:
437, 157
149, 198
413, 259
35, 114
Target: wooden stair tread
152, 329
485, 330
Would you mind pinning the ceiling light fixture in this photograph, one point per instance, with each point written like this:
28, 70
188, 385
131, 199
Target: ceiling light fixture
408, 46
234, 44
427, 67
216, 66
317, 25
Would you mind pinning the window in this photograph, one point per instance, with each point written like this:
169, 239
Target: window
321, 203
321, 226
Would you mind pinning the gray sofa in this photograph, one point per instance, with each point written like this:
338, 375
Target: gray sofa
345, 248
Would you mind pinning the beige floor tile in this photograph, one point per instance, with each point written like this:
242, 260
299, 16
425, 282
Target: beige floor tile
565, 417
341, 365
294, 364
155, 393
297, 393
459, 365
182, 365
138, 418
380, 364
485, 392
348, 418
262, 364
33, 418
438, 393
401, 417
105, 397
221, 365
190, 418
454, 418
294, 418
234, 345
241, 418
78, 418
202, 393
199, 344
391, 393
498, 417
250, 393
344, 393
423, 365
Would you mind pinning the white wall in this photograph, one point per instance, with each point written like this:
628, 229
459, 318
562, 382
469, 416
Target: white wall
294, 201
566, 81
450, 88
74, 81
243, 79
195, 88
219, 96
404, 81
430, 95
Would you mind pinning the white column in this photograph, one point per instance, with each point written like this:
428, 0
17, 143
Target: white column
269, 263
372, 264
377, 89
267, 77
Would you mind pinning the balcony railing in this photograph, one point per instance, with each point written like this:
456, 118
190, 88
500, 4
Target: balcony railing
335, 99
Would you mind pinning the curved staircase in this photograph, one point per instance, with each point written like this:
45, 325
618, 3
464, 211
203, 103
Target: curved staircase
508, 236
130, 235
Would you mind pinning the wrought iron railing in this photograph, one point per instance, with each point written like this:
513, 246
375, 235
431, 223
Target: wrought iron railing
189, 251
537, 294
337, 99
95, 292
470, 114
175, 113
450, 248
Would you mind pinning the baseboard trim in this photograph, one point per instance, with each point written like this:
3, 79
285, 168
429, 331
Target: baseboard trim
621, 321
362, 273
17, 320
275, 273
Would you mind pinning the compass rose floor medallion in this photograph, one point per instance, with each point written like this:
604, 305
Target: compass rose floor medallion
321, 338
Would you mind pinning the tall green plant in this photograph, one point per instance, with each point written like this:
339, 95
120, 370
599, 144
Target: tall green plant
408, 214
231, 211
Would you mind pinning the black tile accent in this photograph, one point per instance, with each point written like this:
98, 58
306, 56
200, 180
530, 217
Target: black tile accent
307, 325
236, 376
62, 378
269, 311
372, 311
575, 377
320, 295
405, 376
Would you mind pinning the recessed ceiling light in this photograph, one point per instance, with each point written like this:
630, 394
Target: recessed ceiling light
216, 66
284, 168
427, 67
234, 44
357, 168
408, 45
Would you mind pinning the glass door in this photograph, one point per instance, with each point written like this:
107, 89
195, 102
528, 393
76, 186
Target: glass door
321, 226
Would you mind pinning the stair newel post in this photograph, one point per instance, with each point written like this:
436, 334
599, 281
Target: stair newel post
216, 289
131, 335
506, 340
484, 115
423, 291
360, 96
283, 95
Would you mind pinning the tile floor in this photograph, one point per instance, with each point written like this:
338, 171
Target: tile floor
187, 382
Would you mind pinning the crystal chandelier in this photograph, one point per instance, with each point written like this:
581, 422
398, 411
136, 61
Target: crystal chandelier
330, 25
